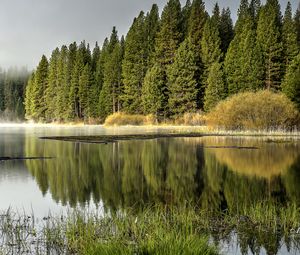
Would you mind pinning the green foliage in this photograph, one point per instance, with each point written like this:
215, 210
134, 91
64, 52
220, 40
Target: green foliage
110, 101
289, 36
291, 82
210, 45
135, 65
146, 73
182, 82
169, 35
269, 39
153, 97
263, 110
243, 62
216, 90
38, 103
297, 24
226, 29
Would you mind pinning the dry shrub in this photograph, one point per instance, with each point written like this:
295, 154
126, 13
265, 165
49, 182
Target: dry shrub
191, 119
123, 119
263, 110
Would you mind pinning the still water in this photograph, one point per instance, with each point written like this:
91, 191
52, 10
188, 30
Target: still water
204, 171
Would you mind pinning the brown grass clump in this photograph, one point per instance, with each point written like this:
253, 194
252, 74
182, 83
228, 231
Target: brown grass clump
191, 119
123, 119
262, 110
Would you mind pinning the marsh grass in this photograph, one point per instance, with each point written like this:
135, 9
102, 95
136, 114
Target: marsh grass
154, 230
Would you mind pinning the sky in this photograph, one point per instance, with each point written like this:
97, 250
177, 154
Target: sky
31, 28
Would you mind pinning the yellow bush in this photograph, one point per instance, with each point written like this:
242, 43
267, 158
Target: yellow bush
191, 119
122, 119
263, 110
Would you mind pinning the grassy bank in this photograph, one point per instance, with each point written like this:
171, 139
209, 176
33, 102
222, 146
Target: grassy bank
155, 230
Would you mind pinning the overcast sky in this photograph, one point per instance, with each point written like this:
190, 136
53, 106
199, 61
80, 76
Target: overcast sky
30, 28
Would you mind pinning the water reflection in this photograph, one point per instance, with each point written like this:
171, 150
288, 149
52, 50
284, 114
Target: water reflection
174, 171
170, 171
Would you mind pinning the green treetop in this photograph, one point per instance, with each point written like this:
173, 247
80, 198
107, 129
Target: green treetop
216, 90
291, 82
182, 82
289, 36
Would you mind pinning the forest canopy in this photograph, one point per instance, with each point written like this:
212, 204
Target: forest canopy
182, 61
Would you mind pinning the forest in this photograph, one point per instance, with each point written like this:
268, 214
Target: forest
182, 61
12, 89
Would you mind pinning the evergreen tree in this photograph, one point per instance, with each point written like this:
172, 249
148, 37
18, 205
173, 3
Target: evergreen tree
243, 14
289, 36
169, 35
85, 84
291, 82
52, 86
186, 12
216, 15
152, 28
182, 82
62, 92
2, 103
110, 101
153, 95
95, 57
297, 24
210, 46
216, 90
134, 65
29, 97
226, 30
197, 21
269, 39
243, 62
254, 8
38, 103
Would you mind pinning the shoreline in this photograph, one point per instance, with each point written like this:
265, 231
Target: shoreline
175, 129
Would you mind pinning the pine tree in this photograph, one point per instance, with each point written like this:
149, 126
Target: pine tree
216, 15
38, 103
52, 86
186, 12
226, 30
152, 28
291, 82
28, 97
254, 8
153, 96
269, 39
297, 24
85, 84
2, 104
95, 57
135, 65
243, 14
216, 90
243, 62
210, 46
62, 92
182, 82
169, 35
110, 101
289, 36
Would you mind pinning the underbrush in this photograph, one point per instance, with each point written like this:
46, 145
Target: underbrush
262, 110
123, 119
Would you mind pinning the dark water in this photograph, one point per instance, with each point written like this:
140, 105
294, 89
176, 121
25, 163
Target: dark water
130, 173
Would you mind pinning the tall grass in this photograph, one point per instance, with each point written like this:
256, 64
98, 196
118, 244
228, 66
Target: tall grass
154, 230
123, 119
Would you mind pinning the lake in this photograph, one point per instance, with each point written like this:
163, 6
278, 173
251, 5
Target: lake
219, 173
